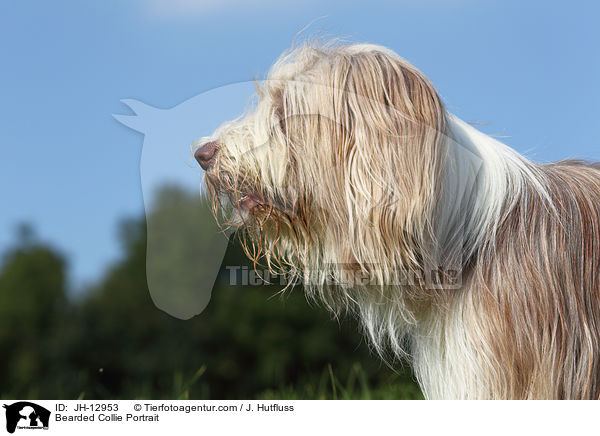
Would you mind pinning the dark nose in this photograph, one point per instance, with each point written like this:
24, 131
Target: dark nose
205, 155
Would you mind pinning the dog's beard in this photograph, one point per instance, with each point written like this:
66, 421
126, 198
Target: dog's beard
289, 235
272, 228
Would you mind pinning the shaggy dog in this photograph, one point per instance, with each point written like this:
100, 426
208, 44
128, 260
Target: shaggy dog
453, 250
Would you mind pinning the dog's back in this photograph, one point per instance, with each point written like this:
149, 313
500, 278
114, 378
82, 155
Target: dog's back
526, 324
543, 288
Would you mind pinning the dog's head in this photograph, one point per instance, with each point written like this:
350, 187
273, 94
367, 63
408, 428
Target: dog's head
337, 167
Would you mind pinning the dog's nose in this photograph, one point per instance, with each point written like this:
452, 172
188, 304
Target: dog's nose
205, 155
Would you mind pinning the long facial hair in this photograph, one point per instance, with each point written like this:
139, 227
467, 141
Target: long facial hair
325, 116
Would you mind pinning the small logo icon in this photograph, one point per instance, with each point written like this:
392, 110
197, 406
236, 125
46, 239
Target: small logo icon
26, 415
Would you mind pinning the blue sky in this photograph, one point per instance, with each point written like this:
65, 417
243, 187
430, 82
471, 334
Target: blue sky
529, 69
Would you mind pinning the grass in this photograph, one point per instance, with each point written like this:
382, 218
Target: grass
326, 386
354, 387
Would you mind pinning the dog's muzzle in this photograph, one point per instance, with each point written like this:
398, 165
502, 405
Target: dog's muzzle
205, 155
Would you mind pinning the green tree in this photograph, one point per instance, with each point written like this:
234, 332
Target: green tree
32, 300
113, 342
249, 340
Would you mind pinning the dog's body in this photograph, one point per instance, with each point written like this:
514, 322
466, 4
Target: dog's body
350, 167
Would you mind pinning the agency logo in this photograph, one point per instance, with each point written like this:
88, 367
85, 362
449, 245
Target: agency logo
26, 415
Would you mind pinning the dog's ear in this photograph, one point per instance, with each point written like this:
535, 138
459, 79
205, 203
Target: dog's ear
394, 159
363, 127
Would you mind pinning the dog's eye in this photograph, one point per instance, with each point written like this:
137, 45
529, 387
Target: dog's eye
279, 109
282, 124
280, 115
